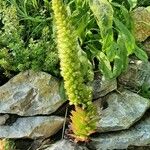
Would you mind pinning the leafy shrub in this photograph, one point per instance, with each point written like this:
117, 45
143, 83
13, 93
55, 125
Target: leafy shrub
27, 37
22, 45
111, 44
118, 42
91, 35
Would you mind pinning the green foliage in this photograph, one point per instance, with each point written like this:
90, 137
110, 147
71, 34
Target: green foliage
34, 14
81, 18
117, 40
26, 35
143, 3
109, 36
90, 34
26, 42
145, 90
9, 145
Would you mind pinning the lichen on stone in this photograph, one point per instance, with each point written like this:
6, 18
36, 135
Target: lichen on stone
141, 18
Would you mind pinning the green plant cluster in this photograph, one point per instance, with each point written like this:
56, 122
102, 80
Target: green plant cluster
105, 31
117, 38
27, 34
90, 35
26, 40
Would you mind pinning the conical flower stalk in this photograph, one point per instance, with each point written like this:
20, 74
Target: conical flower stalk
83, 123
83, 119
68, 49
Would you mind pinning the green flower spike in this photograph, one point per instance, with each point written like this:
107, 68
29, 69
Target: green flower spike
69, 52
72, 61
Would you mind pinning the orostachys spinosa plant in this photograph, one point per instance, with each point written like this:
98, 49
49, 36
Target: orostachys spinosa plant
72, 60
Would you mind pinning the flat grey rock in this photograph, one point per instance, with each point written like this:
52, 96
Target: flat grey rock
103, 86
30, 93
124, 109
32, 127
137, 74
138, 135
3, 119
65, 145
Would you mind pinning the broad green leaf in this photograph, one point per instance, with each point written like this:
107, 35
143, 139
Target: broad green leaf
84, 21
132, 3
107, 40
117, 68
93, 50
122, 58
127, 17
103, 12
111, 51
141, 54
126, 35
124, 12
86, 66
105, 65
